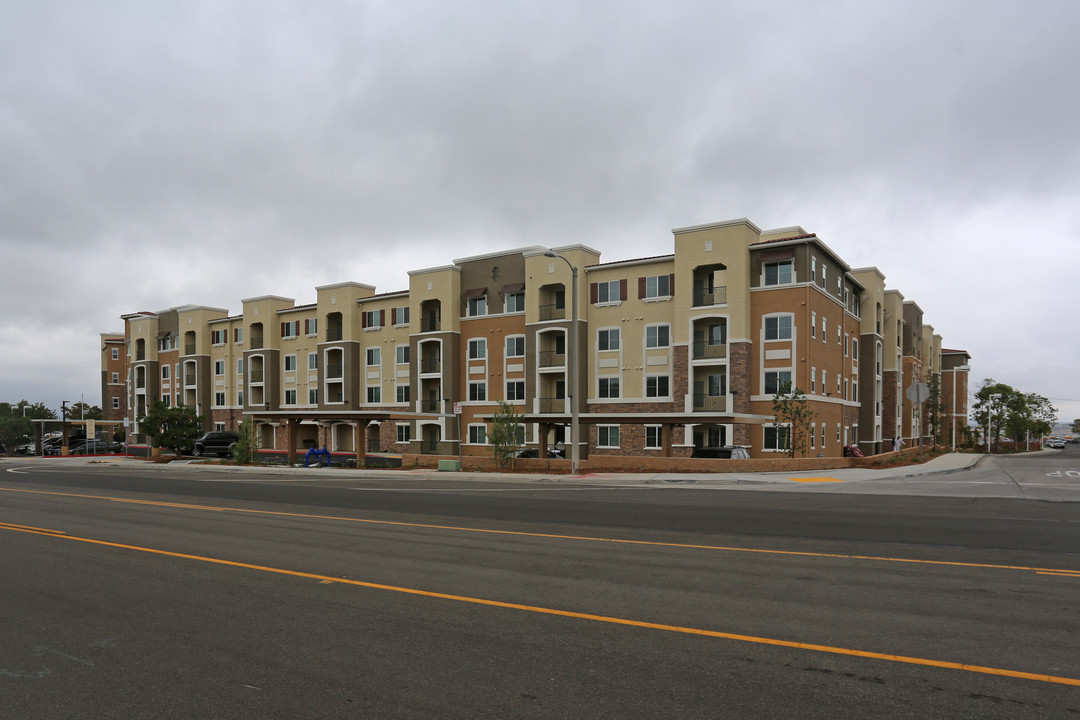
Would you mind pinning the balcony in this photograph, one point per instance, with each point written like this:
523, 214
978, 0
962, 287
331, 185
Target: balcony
552, 358
710, 403
708, 351
430, 406
334, 371
256, 376
429, 447
554, 311
189, 379
431, 365
552, 405
704, 297
189, 349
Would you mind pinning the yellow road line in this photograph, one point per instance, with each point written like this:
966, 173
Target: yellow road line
553, 536
326, 579
11, 526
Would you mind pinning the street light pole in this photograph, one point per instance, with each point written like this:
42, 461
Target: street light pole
990, 421
575, 449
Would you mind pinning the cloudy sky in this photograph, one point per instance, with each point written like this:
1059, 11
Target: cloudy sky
154, 154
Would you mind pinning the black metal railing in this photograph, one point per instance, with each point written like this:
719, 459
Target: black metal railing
716, 296
710, 403
553, 311
430, 365
705, 350
552, 358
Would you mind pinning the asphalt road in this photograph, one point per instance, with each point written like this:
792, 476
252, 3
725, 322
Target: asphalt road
144, 593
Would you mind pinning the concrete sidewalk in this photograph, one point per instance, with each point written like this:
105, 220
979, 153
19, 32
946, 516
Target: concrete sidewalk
951, 462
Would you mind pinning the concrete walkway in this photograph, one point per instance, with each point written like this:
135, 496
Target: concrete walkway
951, 462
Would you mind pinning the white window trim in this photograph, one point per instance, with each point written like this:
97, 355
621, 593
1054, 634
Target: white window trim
609, 447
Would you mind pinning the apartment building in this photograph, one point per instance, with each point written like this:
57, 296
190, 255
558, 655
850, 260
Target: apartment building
114, 396
670, 352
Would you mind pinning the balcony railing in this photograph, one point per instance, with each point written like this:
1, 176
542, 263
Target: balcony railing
256, 376
553, 312
552, 405
718, 296
430, 406
189, 349
189, 379
710, 403
431, 365
334, 370
430, 324
333, 334
552, 358
706, 350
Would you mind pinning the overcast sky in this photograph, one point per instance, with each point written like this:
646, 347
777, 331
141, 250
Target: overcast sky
154, 154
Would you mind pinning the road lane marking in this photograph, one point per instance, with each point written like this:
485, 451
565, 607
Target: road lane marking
327, 580
12, 526
553, 536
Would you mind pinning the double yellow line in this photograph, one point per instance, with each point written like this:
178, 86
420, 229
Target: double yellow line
327, 579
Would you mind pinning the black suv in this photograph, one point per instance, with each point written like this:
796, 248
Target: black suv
216, 442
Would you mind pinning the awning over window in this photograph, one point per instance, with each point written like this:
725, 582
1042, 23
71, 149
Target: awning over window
475, 293
513, 288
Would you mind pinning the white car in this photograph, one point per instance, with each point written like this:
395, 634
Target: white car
1055, 443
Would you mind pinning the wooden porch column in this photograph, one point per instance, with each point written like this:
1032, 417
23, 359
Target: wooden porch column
665, 439
544, 429
359, 435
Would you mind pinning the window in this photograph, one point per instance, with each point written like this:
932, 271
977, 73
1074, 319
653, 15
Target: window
219, 399
610, 291
656, 286
165, 372
115, 377
399, 316
515, 346
311, 327
813, 268
115, 354
372, 319
657, 336
238, 335
837, 383
515, 389
780, 273
824, 274
167, 399
313, 361
609, 387
166, 343
290, 329
837, 432
116, 403
404, 433
290, 397
219, 337
478, 434
290, 363
240, 398
374, 394
813, 324
313, 396
478, 391
477, 349
813, 379
657, 386
777, 438
839, 339
824, 329
607, 436
219, 427
653, 437
240, 366
477, 306
515, 302
777, 381
813, 436
608, 339
854, 349
401, 354
822, 436
824, 381
716, 385
373, 356
401, 394
846, 343
778, 327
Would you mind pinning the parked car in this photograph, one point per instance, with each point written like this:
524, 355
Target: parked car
95, 447
1055, 443
215, 442
28, 448
852, 451
724, 452
535, 453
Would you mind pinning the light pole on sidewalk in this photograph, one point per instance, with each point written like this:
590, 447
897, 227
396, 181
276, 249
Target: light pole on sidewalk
575, 449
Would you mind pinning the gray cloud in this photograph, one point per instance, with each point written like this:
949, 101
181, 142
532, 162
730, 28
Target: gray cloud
156, 155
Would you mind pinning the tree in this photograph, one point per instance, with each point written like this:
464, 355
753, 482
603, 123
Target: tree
506, 435
83, 411
1013, 414
1076, 427
791, 408
15, 422
174, 428
246, 443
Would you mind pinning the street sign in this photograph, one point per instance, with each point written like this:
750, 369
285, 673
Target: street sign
457, 408
918, 392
